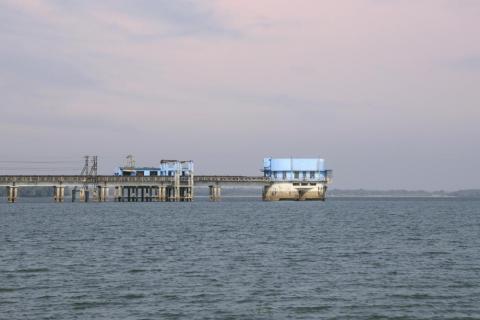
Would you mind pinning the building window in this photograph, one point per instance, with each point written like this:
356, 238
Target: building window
284, 175
312, 174
275, 174
296, 174
304, 173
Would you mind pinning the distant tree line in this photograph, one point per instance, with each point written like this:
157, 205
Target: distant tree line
470, 193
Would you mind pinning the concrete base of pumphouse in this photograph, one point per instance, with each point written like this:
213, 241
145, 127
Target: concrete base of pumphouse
294, 191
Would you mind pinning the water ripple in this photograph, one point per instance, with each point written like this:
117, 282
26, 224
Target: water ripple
242, 259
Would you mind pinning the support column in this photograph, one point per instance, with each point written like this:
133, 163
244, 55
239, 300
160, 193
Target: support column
84, 195
176, 187
186, 190
190, 189
183, 194
12, 193
102, 192
148, 194
215, 192
74, 194
168, 193
162, 193
58, 193
129, 191
99, 194
118, 196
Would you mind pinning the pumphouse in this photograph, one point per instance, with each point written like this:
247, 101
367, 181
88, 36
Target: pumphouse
167, 168
179, 189
295, 179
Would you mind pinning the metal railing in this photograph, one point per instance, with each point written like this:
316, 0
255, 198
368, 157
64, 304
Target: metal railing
77, 179
326, 177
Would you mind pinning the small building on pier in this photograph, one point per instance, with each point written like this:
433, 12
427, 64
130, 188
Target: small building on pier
167, 168
179, 189
295, 178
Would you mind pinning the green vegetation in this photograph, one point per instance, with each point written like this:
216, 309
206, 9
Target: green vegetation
473, 193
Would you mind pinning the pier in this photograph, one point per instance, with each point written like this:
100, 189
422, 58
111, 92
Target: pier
174, 181
126, 188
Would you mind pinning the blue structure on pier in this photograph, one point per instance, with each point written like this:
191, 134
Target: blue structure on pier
166, 168
169, 167
295, 169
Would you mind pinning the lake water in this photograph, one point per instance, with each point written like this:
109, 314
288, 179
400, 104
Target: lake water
241, 259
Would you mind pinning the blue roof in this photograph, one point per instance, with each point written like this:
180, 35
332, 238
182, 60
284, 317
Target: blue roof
294, 164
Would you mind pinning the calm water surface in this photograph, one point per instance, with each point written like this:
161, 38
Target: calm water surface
241, 259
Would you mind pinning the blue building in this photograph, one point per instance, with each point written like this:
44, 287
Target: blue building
169, 167
295, 179
295, 169
166, 168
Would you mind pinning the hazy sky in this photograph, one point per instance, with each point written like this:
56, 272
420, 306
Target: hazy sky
387, 91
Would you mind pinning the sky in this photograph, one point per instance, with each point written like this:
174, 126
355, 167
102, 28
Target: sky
386, 91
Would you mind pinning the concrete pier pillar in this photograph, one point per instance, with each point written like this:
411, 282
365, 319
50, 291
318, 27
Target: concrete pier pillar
170, 194
191, 183
105, 193
186, 194
215, 192
83, 195
118, 196
99, 194
148, 194
176, 196
183, 194
12, 193
102, 193
162, 193
59, 193
154, 194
